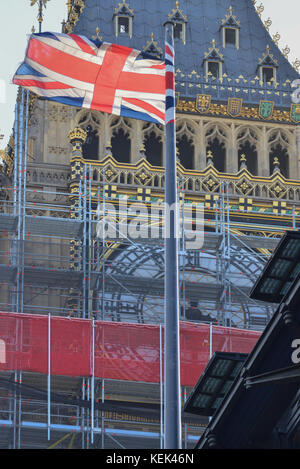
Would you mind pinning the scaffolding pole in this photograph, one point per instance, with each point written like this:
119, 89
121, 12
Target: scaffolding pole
20, 412
49, 377
103, 247
225, 255
93, 383
19, 158
161, 389
23, 205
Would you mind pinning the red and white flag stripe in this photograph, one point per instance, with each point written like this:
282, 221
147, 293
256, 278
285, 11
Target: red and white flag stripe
110, 78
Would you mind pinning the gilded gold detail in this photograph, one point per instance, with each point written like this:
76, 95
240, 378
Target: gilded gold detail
221, 110
77, 134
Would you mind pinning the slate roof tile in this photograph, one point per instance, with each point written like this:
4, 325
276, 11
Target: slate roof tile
204, 20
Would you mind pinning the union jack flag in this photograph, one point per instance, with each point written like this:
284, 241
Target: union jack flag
77, 71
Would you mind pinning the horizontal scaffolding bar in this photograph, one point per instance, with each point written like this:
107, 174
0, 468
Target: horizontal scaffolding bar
79, 429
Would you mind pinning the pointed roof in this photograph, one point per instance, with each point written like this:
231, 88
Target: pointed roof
123, 9
177, 14
214, 53
203, 24
268, 59
230, 20
152, 47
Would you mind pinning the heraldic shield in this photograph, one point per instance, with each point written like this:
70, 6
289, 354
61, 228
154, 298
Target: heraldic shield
234, 107
266, 109
295, 113
203, 102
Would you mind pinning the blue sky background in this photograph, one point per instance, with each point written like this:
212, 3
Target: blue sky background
17, 18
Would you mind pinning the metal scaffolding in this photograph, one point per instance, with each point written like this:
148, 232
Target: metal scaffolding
53, 262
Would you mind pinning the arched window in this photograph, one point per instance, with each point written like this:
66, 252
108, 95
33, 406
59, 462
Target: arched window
230, 29
154, 149
213, 69
268, 74
186, 152
267, 67
250, 153
179, 30
186, 134
121, 145
213, 62
230, 36
90, 149
216, 144
219, 154
283, 158
247, 149
180, 21
279, 144
90, 122
123, 19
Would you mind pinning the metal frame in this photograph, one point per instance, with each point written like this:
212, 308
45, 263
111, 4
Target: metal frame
36, 271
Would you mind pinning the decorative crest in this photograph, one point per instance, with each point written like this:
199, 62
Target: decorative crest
203, 102
295, 113
234, 106
266, 109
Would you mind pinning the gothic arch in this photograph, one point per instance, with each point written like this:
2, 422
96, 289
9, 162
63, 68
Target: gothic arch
216, 139
153, 137
279, 147
85, 117
278, 135
121, 137
217, 129
247, 140
185, 138
90, 121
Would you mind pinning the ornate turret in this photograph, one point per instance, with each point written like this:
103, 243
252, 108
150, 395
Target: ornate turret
77, 138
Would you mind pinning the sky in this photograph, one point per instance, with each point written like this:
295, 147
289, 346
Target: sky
17, 18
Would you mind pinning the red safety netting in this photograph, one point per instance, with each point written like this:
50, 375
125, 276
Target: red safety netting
129, 352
